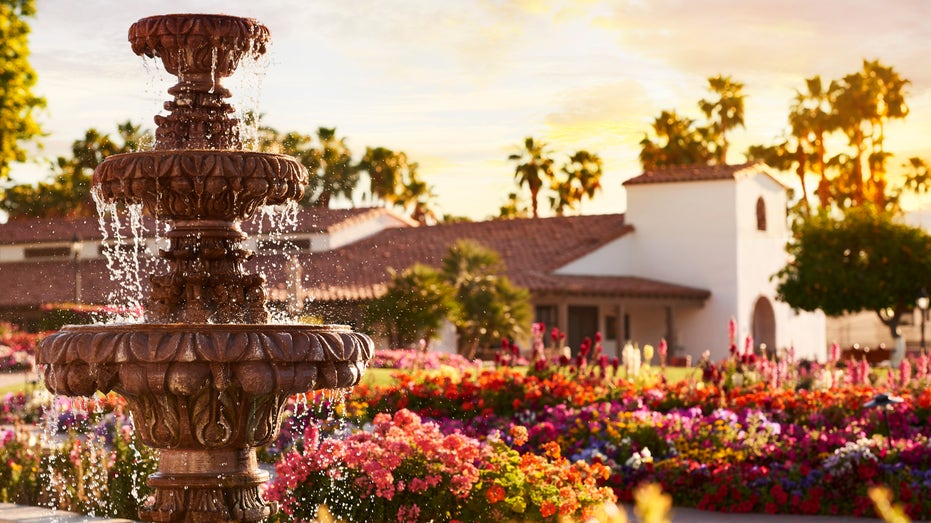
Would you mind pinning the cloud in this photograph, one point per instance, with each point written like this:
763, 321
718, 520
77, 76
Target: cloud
788, 38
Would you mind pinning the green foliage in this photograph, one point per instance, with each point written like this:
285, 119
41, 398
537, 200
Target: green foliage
20, 475
17, 79
333, 168
414, 307
727, 111
469, 289
862, 261
67, 193
490, 307
394, 180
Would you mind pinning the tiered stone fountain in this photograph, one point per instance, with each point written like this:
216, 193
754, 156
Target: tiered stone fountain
205, 376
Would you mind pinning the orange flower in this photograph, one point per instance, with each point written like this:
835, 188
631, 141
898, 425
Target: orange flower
494, 494
520, 434
547, 509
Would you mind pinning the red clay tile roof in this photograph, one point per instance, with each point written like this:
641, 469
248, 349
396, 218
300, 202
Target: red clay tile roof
311, 219
692, 173
627, 286
43, 230
530, 248
33, 283
314, 219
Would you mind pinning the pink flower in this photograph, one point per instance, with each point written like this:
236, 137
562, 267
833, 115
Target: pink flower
905, 372
732, 331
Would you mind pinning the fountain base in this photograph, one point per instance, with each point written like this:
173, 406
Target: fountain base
207, 487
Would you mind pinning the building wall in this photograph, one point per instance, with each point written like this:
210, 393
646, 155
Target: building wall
704, 234
684, 234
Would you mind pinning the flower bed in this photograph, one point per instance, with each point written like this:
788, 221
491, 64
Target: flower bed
755, 435
558, 439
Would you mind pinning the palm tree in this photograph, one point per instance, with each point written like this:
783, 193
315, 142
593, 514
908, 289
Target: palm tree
583, 179
490, 307
417, 196
685, 144
534, 165
728, 109
385, 169
333, 163
810, 120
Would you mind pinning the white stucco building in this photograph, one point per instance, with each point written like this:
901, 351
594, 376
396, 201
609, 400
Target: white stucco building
720, 228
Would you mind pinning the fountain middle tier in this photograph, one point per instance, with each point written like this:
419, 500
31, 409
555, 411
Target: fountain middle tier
192, 184
204, 386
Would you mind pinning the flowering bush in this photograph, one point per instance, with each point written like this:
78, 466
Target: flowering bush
408, 471
100, 472
412, 359
17, 348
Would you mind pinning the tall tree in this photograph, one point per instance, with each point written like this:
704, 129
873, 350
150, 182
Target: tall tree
67, 193
534, 167
858, 106
811, 120
679, 142
18, 104
417, 197
582, 179
864, 260
863, 102
726, 111
513, 208
333, 164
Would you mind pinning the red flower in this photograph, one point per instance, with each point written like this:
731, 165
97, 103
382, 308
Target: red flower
494, 494
779, 494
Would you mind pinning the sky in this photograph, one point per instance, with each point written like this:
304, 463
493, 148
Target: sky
458, 84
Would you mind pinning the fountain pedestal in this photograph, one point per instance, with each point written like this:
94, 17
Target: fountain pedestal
205, 377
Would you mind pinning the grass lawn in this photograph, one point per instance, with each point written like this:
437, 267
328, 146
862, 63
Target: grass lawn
673, 374
385, 377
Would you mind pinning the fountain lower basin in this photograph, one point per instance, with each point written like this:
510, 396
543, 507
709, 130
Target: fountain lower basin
207, 395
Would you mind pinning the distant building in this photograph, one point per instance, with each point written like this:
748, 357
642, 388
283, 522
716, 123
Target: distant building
696, 247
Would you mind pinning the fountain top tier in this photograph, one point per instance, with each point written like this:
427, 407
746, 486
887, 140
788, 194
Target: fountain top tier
200, 50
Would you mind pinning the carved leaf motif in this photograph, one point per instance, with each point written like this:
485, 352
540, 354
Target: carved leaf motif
273, 346
139, 346
211, 425
315, 350
332, 346
264, 419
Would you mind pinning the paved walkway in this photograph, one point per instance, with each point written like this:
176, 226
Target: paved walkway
690, 515
10, 513
17, 378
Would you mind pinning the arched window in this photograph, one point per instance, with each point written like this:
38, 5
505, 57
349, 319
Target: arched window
760, 214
